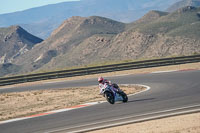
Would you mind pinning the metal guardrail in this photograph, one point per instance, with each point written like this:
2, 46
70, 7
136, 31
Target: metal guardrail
99, 69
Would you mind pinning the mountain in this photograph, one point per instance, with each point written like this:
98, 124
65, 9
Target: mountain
65, 40
41, 21
184, 3
80, 41
15, 41
173, 34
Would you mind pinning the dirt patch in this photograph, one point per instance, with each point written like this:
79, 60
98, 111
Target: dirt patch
18, 104
178, 124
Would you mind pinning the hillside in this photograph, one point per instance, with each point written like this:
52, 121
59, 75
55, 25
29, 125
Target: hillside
8, 68
80, 41
45, 19
15, 41
183, 3
183, 22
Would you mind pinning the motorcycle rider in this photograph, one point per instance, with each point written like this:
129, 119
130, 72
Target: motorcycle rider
103, 82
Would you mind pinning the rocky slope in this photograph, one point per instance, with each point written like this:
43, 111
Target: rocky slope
15, 41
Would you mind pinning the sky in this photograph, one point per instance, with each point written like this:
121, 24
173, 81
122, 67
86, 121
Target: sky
8, 6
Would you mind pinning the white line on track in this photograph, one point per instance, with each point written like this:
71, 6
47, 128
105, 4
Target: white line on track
165, 71
147, 88
4, 88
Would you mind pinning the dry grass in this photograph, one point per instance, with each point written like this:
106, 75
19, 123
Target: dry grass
18, 104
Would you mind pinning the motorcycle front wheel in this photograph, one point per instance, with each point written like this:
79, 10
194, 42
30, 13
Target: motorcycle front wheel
124, 96
109, 97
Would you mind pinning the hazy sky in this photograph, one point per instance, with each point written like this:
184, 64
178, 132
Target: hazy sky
7, 6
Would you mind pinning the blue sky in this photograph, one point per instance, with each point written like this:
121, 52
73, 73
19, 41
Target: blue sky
7, 6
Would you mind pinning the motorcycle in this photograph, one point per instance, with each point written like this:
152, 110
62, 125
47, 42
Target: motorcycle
113, 93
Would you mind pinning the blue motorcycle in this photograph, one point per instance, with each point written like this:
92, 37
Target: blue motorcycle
113, 94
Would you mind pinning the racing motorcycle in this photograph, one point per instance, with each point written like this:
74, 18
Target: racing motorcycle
113, 93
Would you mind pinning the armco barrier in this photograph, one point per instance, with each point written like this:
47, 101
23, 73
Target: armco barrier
99, 69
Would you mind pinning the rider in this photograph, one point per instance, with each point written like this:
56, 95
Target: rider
103, 81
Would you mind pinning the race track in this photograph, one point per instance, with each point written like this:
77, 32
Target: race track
170, 90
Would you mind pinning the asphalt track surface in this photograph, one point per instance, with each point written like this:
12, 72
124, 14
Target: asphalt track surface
169, 90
